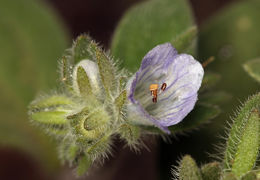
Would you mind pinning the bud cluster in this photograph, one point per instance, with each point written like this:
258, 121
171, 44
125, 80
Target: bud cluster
90, 108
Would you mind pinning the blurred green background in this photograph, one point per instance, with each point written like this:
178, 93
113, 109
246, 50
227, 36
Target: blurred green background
34, 34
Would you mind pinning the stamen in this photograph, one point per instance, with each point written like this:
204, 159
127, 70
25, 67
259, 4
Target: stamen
164, 85
154, 90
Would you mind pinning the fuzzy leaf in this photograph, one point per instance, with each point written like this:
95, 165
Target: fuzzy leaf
151, 23
130, 133
122, 83
250, 176
50, 113
51, 102
253, 68
120, 101
66, 66
83, 82
248, 147
72, 152
50, 117
68, 151
81, 50
106, 68
242, 144
51, 110
86, 49
83, 165
89, 123
211, 171
229, 176
100, 148
188, 169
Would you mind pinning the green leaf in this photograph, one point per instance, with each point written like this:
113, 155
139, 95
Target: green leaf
32, 39
186, 41
83, 82
66, 68
17, 132
120, 100
211, 171
56, 100
100, 148
231, 36
51, 111
253, 68
80, 49
131, 134
188, 169
106, 68
229, 176
210, 80
122, 82
243, 141
151, 23
248, 147
250, 176
83, 166
50, 117
218, 97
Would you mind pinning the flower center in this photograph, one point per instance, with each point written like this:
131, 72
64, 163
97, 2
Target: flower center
154, 90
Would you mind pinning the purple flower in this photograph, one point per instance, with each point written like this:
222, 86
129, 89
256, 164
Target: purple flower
163, 67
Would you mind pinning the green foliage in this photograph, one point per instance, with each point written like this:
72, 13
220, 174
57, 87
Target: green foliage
151, 23
232, 37
253, 68
188, 169
250, 176
229, 176
84, 164
120, 102
210, 80
31, 40
79, 51
106, 69
248, 147
83, 82
211, 171
215, 97
131, 134
242, 149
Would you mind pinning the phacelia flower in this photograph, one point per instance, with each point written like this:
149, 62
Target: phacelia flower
164, 90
